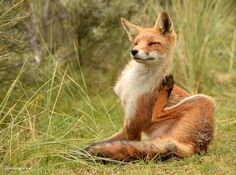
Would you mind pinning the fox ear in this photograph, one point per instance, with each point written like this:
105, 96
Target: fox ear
164, 23
131, 29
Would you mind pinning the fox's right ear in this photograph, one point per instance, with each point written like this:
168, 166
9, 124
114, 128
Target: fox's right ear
164, 23
131, 29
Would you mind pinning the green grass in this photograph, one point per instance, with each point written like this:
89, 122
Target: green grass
40, 127
65, 111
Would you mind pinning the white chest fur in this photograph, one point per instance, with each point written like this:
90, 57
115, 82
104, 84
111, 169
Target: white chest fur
136, 80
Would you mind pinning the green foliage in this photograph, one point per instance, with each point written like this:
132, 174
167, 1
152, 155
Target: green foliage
13, 43
12, 13
206, 43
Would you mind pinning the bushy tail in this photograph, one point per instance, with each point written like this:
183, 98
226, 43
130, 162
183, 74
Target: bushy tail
133, 150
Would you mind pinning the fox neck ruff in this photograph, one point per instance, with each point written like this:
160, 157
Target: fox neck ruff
137, 80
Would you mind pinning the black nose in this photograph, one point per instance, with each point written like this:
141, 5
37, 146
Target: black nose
134, 52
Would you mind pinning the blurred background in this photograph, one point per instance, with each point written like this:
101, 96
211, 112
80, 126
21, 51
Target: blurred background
34, 32
59, 60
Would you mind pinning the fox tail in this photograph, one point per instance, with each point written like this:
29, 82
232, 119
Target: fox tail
134, 150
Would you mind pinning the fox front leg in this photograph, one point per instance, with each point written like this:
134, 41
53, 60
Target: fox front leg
163, 96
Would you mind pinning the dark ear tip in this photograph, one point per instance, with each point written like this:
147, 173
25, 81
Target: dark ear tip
164, 14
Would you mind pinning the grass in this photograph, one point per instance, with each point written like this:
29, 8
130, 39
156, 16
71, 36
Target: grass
39, 125
39, 128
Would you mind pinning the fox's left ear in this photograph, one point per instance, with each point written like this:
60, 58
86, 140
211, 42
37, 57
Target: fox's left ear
131, 29
164, 23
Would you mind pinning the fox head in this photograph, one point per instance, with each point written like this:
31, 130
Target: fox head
152, 45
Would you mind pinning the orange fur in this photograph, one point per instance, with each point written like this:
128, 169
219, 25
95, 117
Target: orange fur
175, 122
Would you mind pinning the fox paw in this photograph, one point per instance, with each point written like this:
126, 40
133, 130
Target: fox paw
168, 83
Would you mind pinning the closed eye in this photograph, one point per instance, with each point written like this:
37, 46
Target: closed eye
153, 43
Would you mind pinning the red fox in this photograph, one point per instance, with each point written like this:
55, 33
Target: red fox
175, 122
